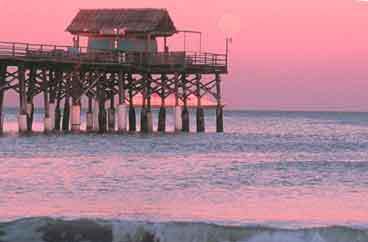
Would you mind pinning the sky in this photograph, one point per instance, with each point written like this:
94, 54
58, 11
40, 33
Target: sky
285, 54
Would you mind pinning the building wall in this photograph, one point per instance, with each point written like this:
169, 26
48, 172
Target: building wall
138, 45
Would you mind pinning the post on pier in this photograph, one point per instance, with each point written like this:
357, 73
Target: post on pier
177, 109
22, 118
149, 108
30, 95
96, 112
219, 109
45, 89
59, 81
200, 110
3, 68
185, 112
101, 97
111, 113
144, 127
66, 114
90, 114
132, 115
76, 102
162, 113
122, 108
52, 97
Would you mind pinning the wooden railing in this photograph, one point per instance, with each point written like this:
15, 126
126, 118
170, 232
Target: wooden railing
88, 55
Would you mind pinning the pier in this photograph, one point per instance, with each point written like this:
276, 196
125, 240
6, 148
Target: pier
121, 62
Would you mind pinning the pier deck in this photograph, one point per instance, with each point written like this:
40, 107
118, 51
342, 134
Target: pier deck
157, 62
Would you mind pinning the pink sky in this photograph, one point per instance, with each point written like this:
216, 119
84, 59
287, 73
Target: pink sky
286, 54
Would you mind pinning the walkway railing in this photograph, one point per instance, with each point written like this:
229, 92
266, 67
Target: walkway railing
87, 55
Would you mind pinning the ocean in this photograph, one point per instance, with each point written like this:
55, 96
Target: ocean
271, 177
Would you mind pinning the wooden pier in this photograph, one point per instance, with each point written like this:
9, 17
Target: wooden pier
64, 75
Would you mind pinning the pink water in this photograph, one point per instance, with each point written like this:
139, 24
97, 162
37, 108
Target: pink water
285, 169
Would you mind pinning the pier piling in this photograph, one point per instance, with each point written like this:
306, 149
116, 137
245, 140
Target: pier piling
185, 112
132, 119
57, 115
30, 94
185, 119
111, 114
96, 108
22, 118
219, 109
122, 108
66, 114
47, 118
161, 127
200, 120
52, 96
59, 80
144, 128
2, 82
76, 117
102, 117
132, 115
30, 113
162, 115
89, 116
122, 117
76, 101
177, 110
1, 112
200, 111
162, 119
149, 107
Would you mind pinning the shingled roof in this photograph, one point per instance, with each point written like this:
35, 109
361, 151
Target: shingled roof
97, 21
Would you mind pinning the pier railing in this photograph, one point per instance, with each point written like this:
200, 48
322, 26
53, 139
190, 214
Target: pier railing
61, 53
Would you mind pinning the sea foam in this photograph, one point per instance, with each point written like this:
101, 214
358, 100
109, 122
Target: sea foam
88, 230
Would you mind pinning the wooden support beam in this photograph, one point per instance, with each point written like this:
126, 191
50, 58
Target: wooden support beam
30, 94
59, 80
149, 108
176, 89
111, 113
66, 115
185, 113
177, 109
162, 113
132, 115
76, 92
200, 110
122, 108
121, 84
22, 118
90, 114
22, 90
101, 96
45, 87
3, 69
52, 87
219, 109
144, 127
1, 112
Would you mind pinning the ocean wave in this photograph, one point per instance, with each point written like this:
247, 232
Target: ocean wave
95, 230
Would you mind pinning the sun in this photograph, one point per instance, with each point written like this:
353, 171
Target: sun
230, 24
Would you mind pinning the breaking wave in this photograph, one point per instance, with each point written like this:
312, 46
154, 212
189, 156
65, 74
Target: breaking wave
89, 230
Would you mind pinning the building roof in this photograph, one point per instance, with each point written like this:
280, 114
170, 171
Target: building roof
107, 21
